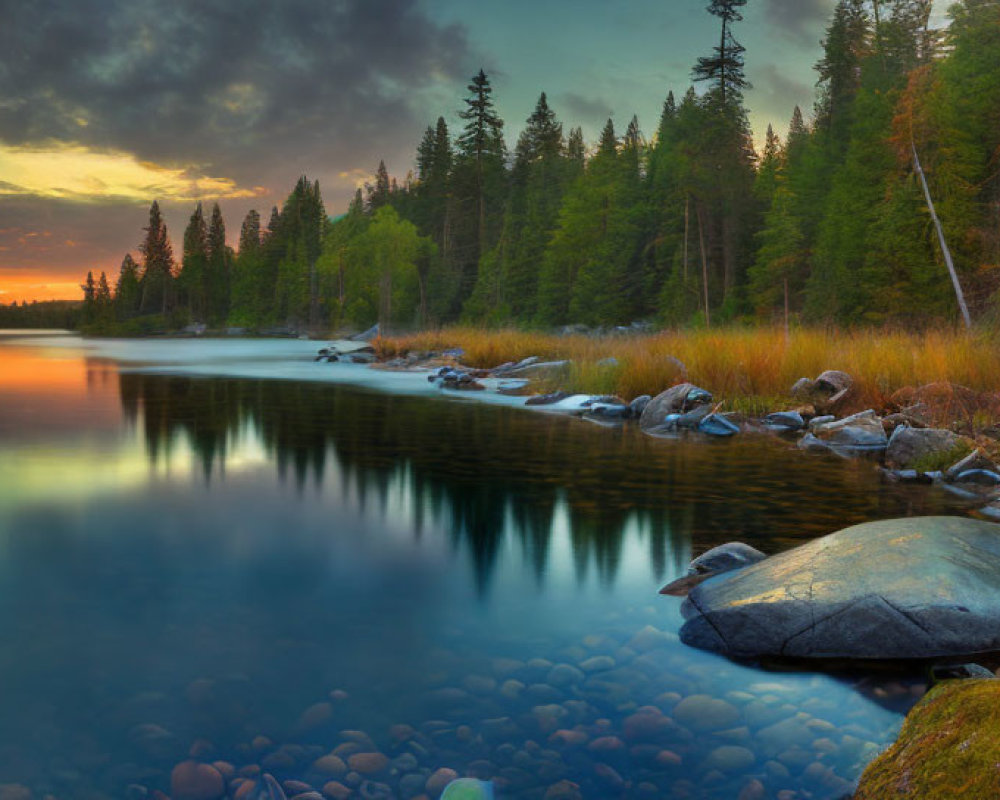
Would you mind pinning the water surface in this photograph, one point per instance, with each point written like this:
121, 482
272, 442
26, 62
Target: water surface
191, 559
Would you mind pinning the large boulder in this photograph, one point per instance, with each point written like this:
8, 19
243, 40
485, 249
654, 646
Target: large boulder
946, 748
678, 399
919, 588
925, 449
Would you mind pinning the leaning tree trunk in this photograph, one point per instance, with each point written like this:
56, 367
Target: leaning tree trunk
704, 267
944, 244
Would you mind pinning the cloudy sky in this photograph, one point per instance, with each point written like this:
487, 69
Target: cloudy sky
108, 104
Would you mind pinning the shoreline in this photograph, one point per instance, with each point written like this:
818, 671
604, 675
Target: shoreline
934, 456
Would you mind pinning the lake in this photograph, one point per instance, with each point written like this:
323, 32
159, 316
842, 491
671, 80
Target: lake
224, 551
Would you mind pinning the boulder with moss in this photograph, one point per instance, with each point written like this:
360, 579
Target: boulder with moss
947, 748
925, 449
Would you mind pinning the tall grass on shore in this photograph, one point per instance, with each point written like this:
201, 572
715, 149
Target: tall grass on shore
751, 368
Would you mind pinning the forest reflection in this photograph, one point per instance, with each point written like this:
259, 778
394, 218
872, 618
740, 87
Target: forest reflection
483, 473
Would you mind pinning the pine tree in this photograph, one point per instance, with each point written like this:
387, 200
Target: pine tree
508, 276
217, 268
127, 289
479, 180
725, 67
103, 307
845, 48
725, 208
576, 150
192, 280
379, 193
89, 287
157, 267
248, 292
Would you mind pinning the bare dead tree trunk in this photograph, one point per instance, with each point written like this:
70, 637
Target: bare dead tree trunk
704, 268
944, 244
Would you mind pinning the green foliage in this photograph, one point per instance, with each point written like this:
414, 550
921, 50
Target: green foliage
157, 281
690, 228
382, 281
192, 280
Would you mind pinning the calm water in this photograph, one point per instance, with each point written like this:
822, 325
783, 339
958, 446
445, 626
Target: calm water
196, 561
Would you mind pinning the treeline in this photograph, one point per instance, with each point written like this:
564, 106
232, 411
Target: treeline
689, 225
61, 314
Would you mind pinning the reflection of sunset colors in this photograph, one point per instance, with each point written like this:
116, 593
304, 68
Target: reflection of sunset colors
55, 388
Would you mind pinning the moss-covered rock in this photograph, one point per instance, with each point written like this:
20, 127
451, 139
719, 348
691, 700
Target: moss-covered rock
949, 747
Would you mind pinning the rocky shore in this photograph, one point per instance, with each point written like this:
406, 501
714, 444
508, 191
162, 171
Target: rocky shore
929, 434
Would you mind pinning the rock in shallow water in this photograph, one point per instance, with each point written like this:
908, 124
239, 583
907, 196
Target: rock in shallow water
896, 589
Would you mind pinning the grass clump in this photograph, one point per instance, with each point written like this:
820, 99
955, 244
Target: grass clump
947, 748
940, 461
751, 368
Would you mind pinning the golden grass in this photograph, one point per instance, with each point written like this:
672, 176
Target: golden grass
753, 369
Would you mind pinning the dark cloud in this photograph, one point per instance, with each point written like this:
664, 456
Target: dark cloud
802, 19
256, 90
590, 109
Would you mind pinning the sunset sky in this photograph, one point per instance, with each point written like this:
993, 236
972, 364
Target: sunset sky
108, 104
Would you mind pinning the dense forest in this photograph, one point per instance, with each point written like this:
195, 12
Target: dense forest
57, 314
687, 226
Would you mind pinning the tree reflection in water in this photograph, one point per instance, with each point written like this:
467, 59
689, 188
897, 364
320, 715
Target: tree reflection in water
480, 471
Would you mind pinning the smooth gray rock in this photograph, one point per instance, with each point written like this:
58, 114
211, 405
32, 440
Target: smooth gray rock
718, 425
637, 406
676, 400
859, 432
926, 587
784, 421
910, 446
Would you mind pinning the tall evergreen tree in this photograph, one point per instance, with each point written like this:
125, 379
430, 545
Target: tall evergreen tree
157, 266
479, 180
103, 301
844, 49
192, 280
508, 275
248, 298
724, 68
726, 209
89, 287
380, 192
217, 269
127, 289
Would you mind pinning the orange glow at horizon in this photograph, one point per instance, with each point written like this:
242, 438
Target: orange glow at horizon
41, 287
